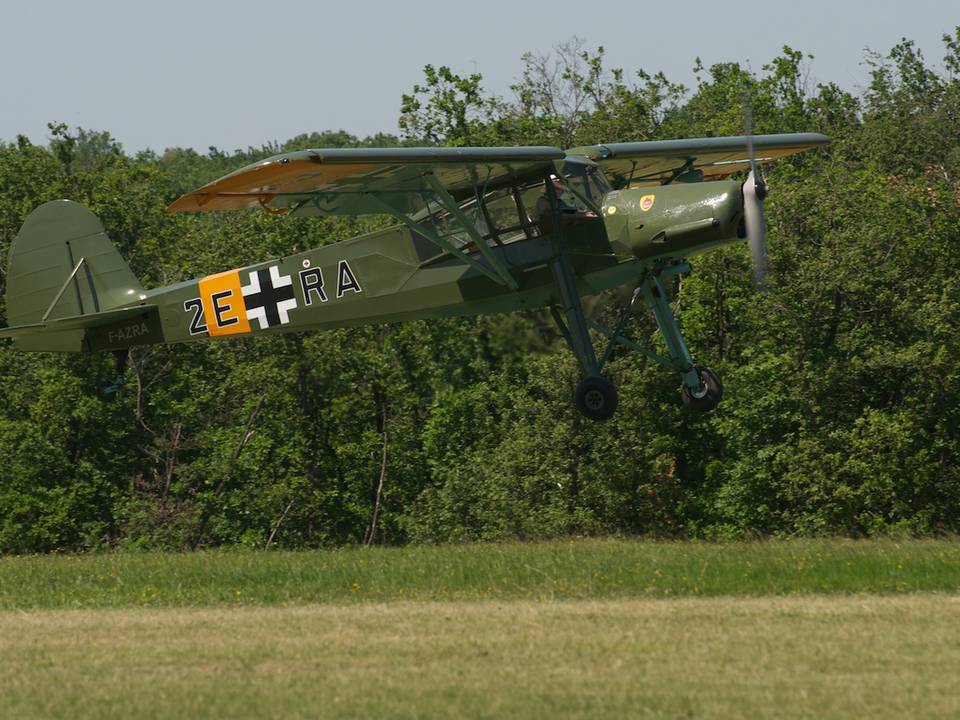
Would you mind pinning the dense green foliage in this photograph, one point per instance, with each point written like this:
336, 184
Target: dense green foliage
842, 406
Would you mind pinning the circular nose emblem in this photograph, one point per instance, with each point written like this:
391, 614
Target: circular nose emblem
612, 210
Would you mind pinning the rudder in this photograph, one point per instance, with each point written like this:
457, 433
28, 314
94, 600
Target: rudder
53, 240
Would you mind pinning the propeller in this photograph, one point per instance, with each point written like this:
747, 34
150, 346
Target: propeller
754, 191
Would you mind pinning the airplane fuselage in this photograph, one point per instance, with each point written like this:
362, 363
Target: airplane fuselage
393, 275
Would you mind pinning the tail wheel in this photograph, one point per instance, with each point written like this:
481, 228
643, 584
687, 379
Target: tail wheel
707, 395
596, 398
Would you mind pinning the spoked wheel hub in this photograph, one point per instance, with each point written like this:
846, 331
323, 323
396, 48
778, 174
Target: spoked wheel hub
596, 398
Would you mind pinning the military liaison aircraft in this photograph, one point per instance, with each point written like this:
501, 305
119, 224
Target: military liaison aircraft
480, 230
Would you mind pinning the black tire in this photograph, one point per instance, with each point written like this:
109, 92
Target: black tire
708, 395
596, 398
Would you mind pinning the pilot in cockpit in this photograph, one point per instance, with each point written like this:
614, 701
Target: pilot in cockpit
565, 204
542, 208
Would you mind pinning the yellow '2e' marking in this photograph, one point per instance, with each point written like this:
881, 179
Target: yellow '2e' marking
223, 305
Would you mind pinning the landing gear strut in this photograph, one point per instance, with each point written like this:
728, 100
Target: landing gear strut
702, 388
596, 397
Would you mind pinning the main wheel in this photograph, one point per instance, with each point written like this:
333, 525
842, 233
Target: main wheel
596, 398
707, 396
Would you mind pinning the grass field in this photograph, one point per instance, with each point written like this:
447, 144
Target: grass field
836, 657
573, 570
585, 629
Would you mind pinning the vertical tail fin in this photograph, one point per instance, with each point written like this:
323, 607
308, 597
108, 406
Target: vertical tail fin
53, 240
63, 265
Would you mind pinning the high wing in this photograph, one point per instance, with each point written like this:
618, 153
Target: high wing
660, 162
355, 181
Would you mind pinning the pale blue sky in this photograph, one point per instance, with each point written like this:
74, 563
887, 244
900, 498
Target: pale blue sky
240, 72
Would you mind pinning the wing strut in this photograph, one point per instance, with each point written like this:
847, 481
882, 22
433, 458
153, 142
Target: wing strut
575, 329
499, 274
450, 205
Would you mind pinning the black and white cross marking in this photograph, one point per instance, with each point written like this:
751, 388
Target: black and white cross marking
269, 297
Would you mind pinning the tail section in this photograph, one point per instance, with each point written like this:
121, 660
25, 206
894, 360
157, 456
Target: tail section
53, 240
65, 277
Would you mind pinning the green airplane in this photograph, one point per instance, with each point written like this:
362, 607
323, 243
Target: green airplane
480, 230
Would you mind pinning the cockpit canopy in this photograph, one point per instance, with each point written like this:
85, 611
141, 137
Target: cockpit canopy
518, 211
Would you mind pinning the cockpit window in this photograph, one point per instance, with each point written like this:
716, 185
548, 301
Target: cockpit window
520, 212
586, 182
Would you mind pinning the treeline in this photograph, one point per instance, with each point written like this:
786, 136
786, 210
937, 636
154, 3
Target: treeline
842, 405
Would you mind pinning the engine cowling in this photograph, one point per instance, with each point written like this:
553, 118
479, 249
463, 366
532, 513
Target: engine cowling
676, 220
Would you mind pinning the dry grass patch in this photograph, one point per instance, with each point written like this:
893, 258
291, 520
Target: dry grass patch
836, 657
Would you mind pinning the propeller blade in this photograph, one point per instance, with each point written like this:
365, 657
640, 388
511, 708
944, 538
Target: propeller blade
748, 131
754, 191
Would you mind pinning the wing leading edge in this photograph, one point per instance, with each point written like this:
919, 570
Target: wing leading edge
341, 181
662, 161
